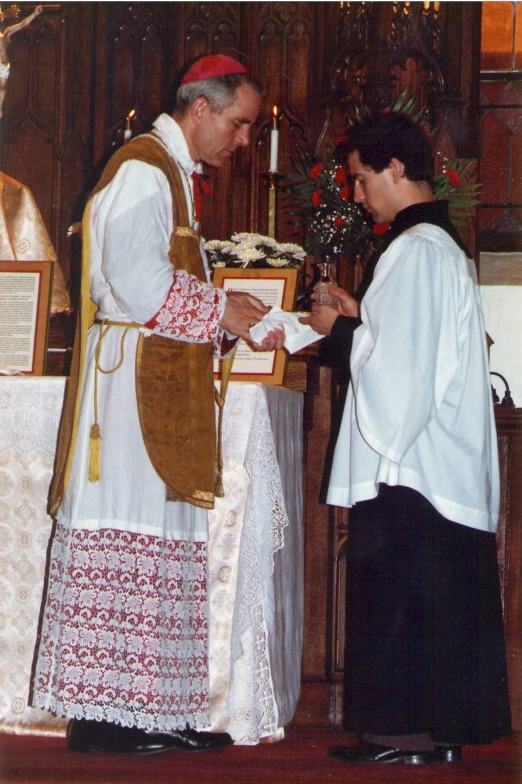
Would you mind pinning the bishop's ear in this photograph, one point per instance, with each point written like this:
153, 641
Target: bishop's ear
198, 108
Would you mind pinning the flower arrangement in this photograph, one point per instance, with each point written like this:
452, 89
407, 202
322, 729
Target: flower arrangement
319, 196
254, 251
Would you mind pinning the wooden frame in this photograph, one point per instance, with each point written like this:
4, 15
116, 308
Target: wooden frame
29, 301
275, 287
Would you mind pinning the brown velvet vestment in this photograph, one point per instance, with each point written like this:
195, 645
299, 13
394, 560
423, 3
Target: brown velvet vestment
174, 379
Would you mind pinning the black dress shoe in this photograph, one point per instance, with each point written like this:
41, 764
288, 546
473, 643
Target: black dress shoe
103, 736
194, 740
449, 753
373, 752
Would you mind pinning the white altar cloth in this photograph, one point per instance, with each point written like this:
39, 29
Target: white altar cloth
255, 584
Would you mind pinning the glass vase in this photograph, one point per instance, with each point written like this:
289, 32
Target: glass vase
327, 279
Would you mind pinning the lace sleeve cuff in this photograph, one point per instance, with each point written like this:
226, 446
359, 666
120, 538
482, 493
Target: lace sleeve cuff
191, 312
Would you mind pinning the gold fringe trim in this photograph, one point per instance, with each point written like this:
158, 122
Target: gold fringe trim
186, 231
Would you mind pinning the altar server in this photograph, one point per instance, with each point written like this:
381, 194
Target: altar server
416, 460
124, 643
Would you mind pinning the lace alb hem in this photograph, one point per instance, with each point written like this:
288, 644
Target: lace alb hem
125, 630
138, 717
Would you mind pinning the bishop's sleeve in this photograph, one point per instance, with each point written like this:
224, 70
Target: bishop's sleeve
134, 224
407, 355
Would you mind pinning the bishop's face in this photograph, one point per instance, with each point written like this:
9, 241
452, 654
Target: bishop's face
218, 135
375, 191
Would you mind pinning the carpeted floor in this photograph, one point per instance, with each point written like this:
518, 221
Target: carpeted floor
299, 759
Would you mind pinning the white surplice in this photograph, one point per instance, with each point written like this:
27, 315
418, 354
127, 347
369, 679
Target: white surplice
424, 418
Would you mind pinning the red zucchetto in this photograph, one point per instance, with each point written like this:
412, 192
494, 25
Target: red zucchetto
212, 65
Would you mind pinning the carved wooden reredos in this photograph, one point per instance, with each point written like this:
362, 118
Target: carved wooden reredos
78, 70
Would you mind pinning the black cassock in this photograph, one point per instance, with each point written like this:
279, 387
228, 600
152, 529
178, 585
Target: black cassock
425, 649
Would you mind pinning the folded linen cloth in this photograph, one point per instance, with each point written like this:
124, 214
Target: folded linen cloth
297, 335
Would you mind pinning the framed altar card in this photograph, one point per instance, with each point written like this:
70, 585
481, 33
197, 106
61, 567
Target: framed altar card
274, 287
25, 299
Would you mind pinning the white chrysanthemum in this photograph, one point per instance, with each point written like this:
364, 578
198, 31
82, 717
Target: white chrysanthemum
221, 245
268, 241
245, 238
278, 262
294, 250
248, 254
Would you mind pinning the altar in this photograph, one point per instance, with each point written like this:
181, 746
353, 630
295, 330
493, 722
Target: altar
256, 553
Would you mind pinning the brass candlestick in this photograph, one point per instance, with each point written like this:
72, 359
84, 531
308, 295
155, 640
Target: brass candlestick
272, 179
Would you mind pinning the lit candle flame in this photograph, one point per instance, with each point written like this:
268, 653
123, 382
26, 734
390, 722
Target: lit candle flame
128, 131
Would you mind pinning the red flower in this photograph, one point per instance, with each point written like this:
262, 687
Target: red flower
316, 170
346, 193
341, 140
339, 221
340, 176
380, 228
453, 176
316, 198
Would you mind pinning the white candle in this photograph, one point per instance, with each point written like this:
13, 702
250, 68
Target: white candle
127, 133
274, 141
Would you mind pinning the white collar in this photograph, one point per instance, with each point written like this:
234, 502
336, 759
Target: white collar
174, 140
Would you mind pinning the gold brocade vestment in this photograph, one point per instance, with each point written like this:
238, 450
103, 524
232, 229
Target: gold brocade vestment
23, 236
174, 379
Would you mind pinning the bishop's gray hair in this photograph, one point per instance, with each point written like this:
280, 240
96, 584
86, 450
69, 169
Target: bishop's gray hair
219, 91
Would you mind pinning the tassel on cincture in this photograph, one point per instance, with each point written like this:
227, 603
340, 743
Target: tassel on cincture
94, 454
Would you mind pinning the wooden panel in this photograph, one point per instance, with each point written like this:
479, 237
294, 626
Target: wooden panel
314, 703
509, 547
33, 110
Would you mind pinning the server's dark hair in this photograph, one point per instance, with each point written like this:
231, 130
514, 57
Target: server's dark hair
380, 137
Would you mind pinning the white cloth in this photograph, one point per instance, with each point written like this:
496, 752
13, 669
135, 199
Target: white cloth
297, 335
262, 448
419, 411
30, 409
256, 584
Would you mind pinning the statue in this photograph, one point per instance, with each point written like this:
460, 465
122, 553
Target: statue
5, 37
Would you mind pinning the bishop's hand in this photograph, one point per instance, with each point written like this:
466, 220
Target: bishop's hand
242, 311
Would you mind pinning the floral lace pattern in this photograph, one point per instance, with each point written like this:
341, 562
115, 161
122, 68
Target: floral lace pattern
251, 701
192, 310
125, 635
